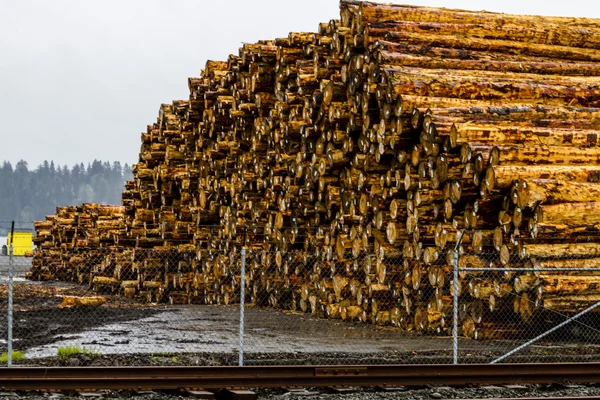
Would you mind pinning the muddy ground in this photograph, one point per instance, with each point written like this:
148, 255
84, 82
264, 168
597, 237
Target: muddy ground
124, 332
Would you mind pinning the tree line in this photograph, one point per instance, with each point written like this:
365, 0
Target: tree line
27, 195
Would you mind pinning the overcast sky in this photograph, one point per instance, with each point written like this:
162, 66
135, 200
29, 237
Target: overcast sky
81, 79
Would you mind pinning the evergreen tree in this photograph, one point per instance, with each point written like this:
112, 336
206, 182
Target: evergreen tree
27, 195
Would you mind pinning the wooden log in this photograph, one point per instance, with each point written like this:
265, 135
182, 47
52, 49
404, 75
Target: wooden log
573, 232
532, 192
488, 75
567, 285
468, 133
532, 155
370, 11
570, 304
492, 88
393, 60
544, 34
500, 46
502, 176
568, 213
452, 109
568, 250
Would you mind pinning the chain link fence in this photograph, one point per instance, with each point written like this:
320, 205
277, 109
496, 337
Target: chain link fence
528, 310
170, 307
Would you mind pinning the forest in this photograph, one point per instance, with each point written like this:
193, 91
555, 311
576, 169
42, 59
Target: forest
30, 194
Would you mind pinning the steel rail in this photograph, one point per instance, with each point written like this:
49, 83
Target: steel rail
148, 378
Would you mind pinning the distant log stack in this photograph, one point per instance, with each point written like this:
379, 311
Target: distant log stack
92, 227
351, 160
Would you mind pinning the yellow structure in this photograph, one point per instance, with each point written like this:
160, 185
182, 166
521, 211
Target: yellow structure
22, 243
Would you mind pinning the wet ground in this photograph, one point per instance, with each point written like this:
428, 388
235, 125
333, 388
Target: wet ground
117, 327
125, 332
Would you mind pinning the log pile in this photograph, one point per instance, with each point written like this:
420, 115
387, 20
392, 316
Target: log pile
93, 227
350, 161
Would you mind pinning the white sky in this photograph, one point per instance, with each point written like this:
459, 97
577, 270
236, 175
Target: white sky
81, 79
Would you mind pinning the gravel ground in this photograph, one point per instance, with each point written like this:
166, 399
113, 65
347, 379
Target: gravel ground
357, 393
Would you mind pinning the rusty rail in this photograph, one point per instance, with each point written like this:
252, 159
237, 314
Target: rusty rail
148, 378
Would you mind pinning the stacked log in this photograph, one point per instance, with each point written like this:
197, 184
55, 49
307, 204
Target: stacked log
352, 161
157, 199
93, 227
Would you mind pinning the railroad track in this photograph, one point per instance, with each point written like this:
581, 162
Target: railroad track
164, 378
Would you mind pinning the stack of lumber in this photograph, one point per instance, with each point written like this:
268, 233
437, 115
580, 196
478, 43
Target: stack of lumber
352, 160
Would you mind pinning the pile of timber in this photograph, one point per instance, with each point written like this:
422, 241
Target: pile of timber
350, 161
158, 200
92, 227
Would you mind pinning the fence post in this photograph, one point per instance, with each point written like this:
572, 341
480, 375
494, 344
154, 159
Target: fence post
455, 309
10, 297
242, 306
455, 301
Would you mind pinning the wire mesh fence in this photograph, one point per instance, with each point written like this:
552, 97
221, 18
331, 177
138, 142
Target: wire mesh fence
320, 310
529, 310
168, 306
139, 307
